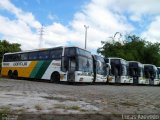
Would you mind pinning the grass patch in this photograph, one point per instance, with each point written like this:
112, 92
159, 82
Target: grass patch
38, 107
157, 105
67, 107
21, 111
74, 107
6, 110
62, 99
128, 103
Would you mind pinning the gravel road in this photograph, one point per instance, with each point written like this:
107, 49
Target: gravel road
26, 96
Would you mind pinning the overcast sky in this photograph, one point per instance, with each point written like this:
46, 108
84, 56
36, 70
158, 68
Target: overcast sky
64, 20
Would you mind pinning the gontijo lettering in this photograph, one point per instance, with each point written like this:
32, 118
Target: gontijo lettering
20, 64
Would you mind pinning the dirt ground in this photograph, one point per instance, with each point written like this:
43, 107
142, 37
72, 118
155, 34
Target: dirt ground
34, 97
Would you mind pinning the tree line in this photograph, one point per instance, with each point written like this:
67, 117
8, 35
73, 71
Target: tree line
6, 47
133, 48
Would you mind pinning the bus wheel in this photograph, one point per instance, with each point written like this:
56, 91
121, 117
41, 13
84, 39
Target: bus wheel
15, 74
55, 77
10, 74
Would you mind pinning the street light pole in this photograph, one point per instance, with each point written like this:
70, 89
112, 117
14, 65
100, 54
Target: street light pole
86, 28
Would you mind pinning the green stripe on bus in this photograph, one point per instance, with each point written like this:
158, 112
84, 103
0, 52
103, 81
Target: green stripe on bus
43, 69
36, 69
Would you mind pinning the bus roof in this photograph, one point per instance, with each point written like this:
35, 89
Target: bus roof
135, 62
149, 65
115, 58
35, 50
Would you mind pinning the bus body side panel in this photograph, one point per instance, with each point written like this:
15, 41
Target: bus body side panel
54, 66
23, 71
40, 69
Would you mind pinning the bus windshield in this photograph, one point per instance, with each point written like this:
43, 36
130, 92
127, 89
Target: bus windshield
158, 72
135, 69
76, 59
85, 62
150, 72
101, 67
118, 67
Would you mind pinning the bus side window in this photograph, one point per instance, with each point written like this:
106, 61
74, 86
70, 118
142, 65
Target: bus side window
43, 55
56, 54
6, 58
24, 56
33, 55
17, 57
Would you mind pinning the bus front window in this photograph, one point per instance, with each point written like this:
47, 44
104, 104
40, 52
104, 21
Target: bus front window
101, 68
124, 70
85, 64
69, 60
69, 64
72, 64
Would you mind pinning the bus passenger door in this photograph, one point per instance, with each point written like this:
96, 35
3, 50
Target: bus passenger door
69, 66
71, 69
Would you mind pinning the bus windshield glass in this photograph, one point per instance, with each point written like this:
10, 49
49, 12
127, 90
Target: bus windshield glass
119, 67
150, 72
85, 62
70, 51
124, 67
158, 72
135, 69
100, 65
79, 58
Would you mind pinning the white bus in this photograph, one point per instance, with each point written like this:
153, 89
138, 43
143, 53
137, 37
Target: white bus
101, 69
118, 70
57, 64
136, 72
158, 72
151, 74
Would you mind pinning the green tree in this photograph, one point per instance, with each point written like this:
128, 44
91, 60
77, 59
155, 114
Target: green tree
5, 47
132, 48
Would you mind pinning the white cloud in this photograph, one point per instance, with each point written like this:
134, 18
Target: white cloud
52, 17
152, 33
104, 17
28, 18
17, 31
136, 8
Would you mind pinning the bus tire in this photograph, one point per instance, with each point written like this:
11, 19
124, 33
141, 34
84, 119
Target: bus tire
15, 74
10, 74
55, 77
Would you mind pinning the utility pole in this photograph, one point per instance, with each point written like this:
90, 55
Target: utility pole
41, 36
86, 28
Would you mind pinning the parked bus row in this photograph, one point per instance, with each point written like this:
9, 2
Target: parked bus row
73, 64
